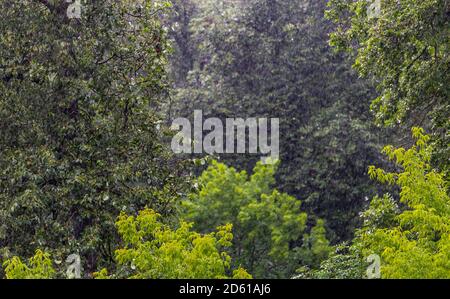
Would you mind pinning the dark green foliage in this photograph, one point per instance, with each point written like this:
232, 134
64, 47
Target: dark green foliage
80, 139
405, 51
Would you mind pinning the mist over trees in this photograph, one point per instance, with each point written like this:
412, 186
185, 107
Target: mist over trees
276, 54
87, 169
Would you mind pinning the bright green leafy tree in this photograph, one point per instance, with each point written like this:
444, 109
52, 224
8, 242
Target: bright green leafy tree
416, 244
40, 266
412, 236
267, 225
155, 250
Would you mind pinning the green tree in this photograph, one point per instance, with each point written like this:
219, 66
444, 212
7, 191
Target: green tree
316, 248
155, 250
267, 225
412, 236
81, 139
345, 262
404, 50
416, 243
40, 266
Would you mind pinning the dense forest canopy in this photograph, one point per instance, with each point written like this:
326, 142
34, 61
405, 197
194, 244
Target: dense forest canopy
91, 188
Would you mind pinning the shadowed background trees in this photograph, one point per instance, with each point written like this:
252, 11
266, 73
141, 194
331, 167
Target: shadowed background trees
272, 59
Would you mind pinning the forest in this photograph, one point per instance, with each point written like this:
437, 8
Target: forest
124, 150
